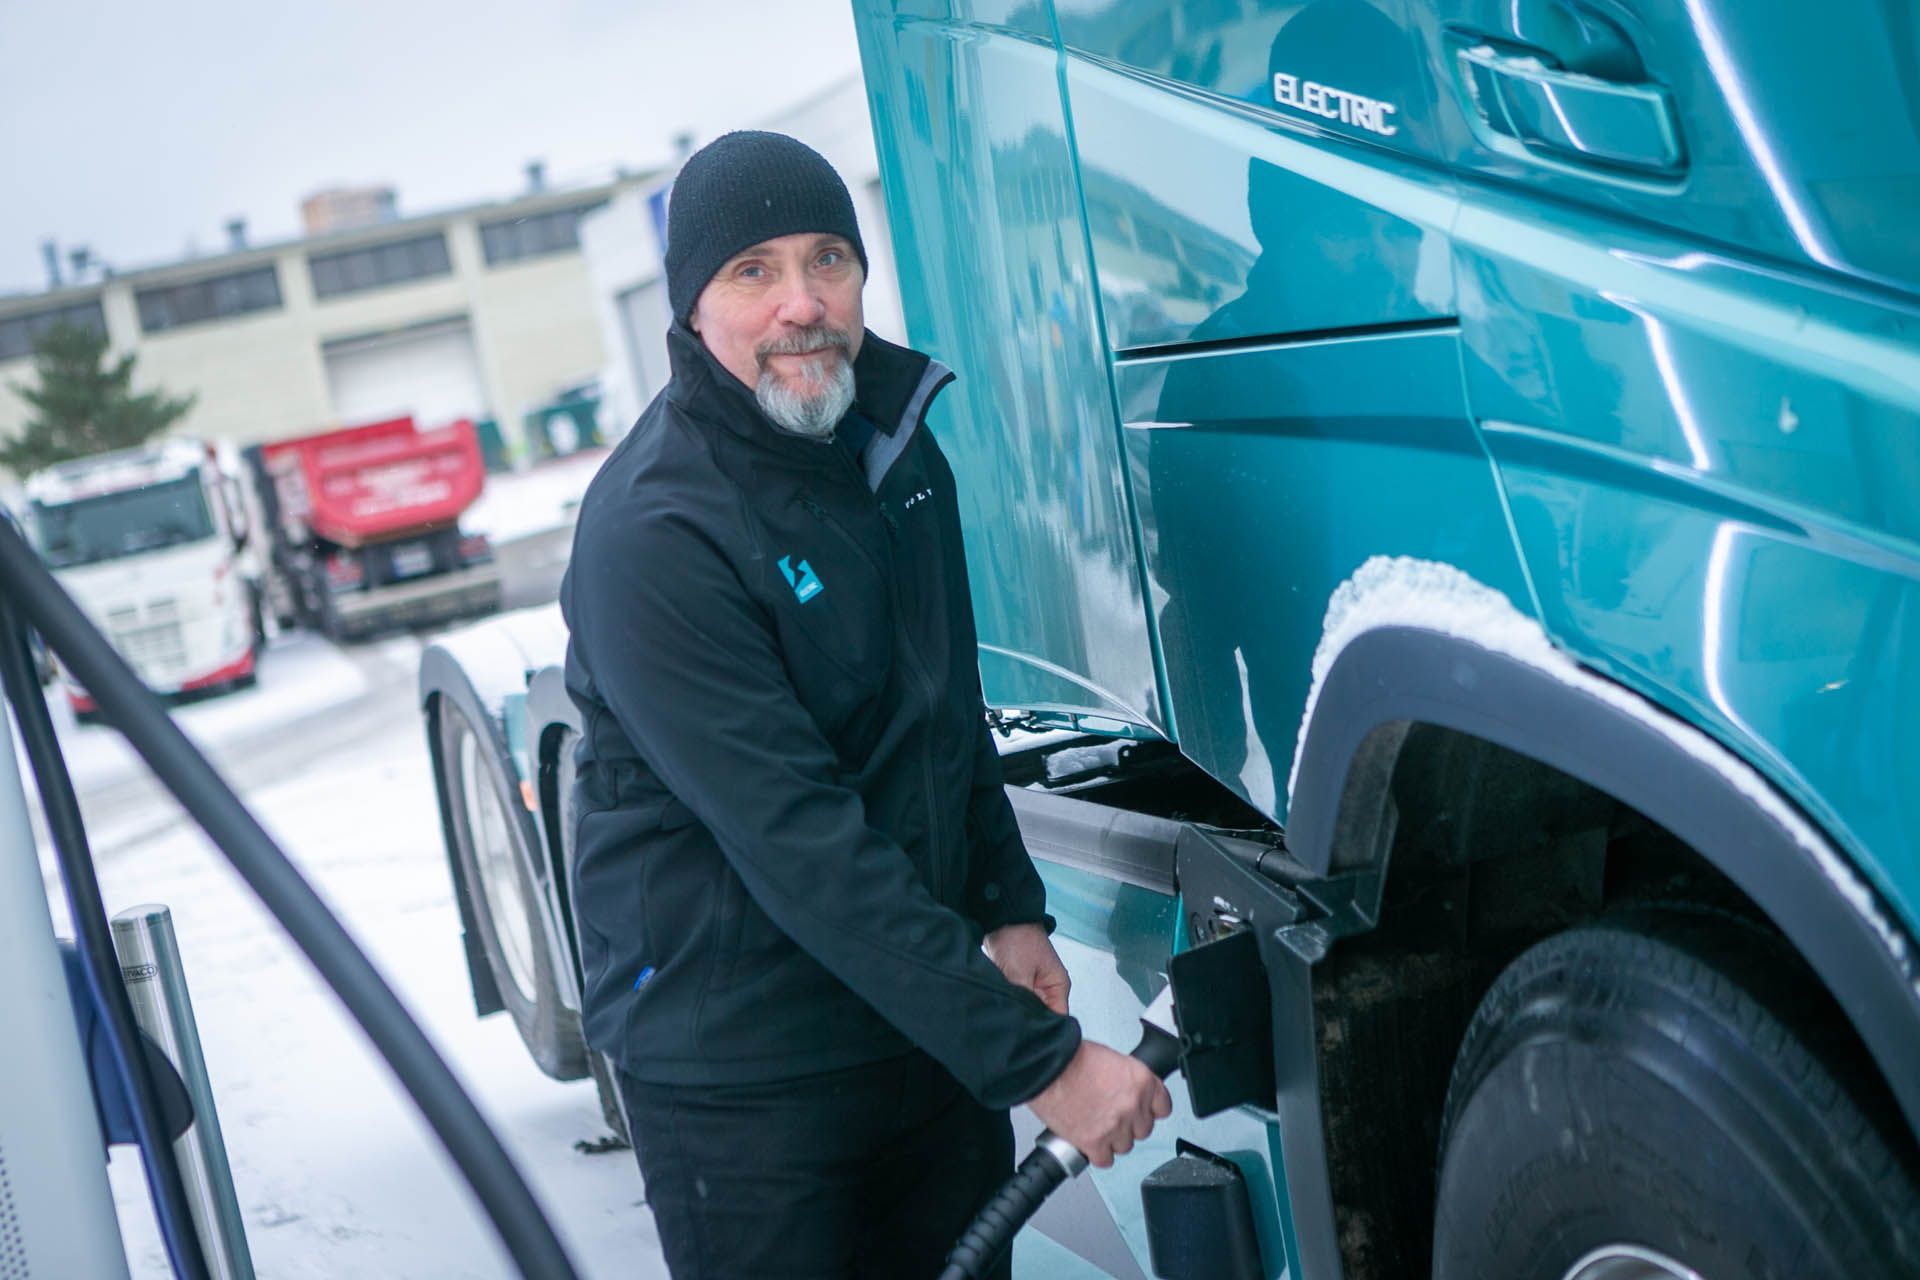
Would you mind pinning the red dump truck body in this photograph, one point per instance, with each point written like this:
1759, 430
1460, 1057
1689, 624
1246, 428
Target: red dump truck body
368, 484
367, 524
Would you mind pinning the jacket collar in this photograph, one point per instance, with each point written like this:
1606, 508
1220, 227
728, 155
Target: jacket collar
892, 387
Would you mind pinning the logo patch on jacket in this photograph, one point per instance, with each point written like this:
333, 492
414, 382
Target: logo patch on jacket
805, 584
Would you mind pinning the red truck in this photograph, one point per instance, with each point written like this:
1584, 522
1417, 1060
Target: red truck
366, 527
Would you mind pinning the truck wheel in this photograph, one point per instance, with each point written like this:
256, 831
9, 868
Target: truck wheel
1664, 1097
257, 618
612, 1109
505, 897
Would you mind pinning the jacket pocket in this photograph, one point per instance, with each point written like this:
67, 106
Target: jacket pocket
762, 948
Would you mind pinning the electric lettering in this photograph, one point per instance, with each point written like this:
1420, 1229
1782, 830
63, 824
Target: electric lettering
1330, 103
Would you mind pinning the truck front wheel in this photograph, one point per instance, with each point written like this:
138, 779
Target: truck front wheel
1668, 1097
499, 881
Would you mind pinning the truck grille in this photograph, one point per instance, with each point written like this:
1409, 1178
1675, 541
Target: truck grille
158, 653
153, 643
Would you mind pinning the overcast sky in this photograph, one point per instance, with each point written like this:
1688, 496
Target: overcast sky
138, 129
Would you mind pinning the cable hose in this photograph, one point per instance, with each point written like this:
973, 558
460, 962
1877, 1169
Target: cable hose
133, 709
94, 942
1051, 1163
995, 1226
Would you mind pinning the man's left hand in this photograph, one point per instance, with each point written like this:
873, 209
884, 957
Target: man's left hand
1027, 958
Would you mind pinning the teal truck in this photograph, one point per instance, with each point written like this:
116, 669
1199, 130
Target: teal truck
1442, 486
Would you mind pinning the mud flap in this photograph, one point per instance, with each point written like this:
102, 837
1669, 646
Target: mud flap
1199, 1219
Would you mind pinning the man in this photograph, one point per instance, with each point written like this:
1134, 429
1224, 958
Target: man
792, 837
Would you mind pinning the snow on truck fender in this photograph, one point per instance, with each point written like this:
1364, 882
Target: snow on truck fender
495, 658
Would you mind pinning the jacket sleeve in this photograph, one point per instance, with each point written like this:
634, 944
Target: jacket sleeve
1003, 887
690, 667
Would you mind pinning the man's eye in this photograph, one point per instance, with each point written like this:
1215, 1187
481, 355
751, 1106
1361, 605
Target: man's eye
752, 271
831, 258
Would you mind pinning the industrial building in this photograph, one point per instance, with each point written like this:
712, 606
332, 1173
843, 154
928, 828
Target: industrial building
483, 312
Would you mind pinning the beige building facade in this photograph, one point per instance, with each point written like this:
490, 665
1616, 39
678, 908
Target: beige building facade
481, 312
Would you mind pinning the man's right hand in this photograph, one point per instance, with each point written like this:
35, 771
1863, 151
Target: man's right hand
1103, 1103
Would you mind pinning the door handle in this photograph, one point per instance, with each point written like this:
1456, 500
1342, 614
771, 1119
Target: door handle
1573, 117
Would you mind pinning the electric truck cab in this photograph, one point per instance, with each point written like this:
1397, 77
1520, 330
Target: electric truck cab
1441, 482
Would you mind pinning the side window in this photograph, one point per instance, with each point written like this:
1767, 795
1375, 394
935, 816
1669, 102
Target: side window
1248, 209
1348, 69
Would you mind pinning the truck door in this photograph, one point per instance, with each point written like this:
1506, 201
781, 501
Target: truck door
1270, 233
973, 145
1689, 294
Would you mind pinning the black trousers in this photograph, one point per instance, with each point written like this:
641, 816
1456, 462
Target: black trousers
868, 1173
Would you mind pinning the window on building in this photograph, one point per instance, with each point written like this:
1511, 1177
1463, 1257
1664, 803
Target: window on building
18, 332
215, 298
376, 266
511, 239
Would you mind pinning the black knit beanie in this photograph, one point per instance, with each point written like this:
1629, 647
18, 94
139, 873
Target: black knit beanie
743, 188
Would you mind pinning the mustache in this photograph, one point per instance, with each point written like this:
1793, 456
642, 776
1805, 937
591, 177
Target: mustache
803, 341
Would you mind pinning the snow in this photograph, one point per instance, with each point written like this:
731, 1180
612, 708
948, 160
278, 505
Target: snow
544, 497
497, 654
300, 675
1399, 591
336, 1173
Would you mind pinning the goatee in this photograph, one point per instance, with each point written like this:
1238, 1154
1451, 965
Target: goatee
814, 414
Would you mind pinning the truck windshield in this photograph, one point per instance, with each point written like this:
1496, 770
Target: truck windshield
127, 523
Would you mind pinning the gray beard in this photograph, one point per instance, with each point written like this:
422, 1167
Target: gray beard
814, 416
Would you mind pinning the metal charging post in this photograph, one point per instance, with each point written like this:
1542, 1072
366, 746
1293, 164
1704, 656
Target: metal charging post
157, 987
56, 1206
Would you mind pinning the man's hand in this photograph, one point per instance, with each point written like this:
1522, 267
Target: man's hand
1103, 1103
1023, 953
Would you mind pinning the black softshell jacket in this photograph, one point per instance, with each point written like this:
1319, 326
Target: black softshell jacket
792, 831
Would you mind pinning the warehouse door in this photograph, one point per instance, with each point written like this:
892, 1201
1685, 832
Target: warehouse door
428, 371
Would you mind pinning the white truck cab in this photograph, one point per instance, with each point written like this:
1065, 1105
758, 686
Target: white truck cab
157, 546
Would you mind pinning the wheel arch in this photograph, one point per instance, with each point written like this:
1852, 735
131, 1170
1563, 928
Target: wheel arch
1386, 679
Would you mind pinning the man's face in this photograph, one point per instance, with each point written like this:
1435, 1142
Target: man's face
784, 317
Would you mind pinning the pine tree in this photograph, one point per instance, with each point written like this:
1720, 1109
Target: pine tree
82, 404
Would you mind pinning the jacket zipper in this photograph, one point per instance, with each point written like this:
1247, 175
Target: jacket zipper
915, 664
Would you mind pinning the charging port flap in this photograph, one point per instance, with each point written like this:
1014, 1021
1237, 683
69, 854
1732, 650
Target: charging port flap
1225, 1015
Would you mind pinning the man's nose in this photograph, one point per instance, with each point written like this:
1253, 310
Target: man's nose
800, 302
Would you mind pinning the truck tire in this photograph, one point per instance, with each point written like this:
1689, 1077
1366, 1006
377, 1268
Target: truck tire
1667, 1097
317, 602
612, 1109
496, 864
257, 618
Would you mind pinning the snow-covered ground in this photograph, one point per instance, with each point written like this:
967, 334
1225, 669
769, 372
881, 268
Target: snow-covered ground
336, 1174
533, 501
300, 675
